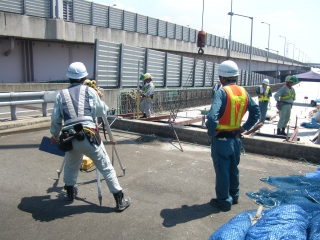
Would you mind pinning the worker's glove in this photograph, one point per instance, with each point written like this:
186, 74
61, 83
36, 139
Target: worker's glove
143, 95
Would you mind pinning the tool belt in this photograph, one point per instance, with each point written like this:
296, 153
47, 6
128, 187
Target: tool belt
93, 136
229, 134
280, 104
66, 136
65, 143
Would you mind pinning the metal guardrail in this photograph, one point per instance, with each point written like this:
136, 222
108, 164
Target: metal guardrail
13, 99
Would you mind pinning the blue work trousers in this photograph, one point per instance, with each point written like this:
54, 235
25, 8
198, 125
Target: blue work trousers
225, 153
263, 110
100, 159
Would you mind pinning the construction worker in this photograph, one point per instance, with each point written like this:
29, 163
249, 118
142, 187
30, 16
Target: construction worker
147, 91
79, 106
285, 97
264, 93
224, 129
215, 88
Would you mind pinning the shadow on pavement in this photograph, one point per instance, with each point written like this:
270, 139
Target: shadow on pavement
172, 217
44, 209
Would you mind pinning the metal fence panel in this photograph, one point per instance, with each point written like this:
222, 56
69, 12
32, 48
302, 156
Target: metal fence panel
170, 30
116, 18
178, 32
38, 8
213, 40
100, 15
133, 59
130, 21
187, 72
173, 70
208, 77
13, 6
215, 73
107, 64
152, 26
82, 11
193, 35
67, 10
199, 73
142, 26
162, 28
156, 66
208, 39
185, 31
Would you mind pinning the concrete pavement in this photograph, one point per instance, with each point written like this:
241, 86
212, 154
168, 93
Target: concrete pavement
170, 191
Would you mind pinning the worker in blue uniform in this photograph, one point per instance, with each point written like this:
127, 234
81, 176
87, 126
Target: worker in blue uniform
224, 129
74, 114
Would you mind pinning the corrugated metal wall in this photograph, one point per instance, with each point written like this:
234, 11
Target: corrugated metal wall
86, 12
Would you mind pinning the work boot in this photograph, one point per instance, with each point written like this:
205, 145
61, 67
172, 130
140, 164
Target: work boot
122, 203
144, 116
72, 192
283, 131
278, 131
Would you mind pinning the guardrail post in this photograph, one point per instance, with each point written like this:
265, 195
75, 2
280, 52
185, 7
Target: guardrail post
13, 110
45, 109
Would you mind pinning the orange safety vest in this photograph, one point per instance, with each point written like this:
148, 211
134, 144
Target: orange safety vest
237, 102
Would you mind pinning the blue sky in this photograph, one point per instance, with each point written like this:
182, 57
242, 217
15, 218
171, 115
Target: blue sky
297, 20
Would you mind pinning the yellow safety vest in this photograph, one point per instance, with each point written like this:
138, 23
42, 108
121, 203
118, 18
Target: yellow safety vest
290, 94
264, 98
237, 102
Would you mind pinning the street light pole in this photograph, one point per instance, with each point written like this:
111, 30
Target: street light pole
229, 47
284, 49
231, 14
292, 50
268, 40
299, 53
277, 60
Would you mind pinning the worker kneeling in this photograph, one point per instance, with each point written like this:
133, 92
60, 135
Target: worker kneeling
78, 106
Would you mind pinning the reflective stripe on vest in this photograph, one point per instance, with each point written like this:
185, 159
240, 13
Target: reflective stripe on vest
264, 98
290, 94
145, 88
237, 102
76, 110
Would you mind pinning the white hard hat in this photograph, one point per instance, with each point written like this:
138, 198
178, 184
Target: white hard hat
77, 70
228, 69
147, 76
265, 81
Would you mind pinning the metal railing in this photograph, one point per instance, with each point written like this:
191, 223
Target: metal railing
13, 99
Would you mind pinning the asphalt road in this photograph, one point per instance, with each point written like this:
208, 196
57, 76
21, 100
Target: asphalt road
170, 191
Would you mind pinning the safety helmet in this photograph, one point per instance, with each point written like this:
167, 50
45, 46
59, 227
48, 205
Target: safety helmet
228, 69
77, 70
265, 81
147, 76
293, 79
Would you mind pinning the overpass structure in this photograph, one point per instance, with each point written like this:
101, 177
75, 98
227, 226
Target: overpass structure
39, 39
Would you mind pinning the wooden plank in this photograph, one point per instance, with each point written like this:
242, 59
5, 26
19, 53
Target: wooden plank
294, 134
187, 122
162, 117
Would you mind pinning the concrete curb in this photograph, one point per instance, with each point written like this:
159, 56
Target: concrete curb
260, 145
256, 144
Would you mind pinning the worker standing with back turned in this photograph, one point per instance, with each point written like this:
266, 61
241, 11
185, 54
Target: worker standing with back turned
285, 97
264, 93
224, 129
74, 113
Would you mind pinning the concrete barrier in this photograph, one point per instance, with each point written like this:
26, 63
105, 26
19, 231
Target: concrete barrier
259, 145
